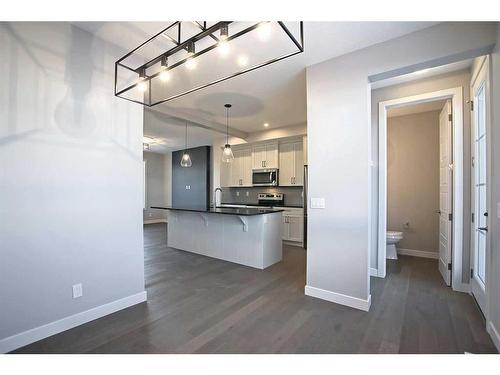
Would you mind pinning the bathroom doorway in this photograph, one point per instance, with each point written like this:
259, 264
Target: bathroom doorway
448, 205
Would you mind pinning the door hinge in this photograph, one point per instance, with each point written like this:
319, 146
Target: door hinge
449, 266
472, 217
471, 105
450, 117
450, 217
471, 273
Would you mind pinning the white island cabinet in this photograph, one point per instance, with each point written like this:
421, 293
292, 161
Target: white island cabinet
247, 236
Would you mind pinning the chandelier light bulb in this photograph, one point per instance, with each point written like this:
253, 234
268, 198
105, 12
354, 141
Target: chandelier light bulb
142, 86
264, 31
242, 60
191, 63
223, 48
165, 76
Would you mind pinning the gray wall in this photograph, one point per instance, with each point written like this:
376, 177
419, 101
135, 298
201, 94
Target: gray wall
197, 177
494, 281
158, 184
339, 140
447, 81
413, 179
70, 177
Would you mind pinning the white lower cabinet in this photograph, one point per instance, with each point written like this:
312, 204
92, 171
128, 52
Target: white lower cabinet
293, 225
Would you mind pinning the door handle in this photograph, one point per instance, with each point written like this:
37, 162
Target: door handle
483, 229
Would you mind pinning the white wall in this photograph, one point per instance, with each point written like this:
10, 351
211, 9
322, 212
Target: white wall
158, 184
70, 181
441, 82
494, 282
339, 144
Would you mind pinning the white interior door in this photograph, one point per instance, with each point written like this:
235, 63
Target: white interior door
480, 189
445, 192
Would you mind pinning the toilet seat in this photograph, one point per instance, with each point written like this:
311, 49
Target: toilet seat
394, 235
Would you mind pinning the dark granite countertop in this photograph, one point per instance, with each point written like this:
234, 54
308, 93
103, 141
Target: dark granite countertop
224, 210
257, 205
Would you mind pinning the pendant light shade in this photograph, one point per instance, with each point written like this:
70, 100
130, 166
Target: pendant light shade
227, 154
186, 159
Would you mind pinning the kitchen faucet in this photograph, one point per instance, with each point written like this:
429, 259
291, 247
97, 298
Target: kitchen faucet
215, 196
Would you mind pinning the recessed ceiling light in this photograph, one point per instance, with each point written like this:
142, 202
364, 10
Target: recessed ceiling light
266, 124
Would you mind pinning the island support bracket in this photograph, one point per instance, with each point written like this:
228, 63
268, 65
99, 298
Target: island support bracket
244, 222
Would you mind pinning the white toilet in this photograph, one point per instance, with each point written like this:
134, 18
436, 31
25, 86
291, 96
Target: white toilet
392, 238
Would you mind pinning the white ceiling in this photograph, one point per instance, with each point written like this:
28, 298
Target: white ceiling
416, 108
275, 94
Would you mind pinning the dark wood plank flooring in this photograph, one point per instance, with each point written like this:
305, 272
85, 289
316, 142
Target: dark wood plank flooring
203, 305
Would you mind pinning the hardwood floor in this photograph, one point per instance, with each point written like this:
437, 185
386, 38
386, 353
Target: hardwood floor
203, 305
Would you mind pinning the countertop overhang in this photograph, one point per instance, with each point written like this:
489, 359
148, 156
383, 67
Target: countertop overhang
223, 210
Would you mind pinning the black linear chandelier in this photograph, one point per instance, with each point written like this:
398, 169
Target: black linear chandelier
189, 56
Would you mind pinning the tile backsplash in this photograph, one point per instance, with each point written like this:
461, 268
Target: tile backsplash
293, 194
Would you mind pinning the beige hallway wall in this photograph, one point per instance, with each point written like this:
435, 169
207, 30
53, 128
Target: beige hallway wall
413, 179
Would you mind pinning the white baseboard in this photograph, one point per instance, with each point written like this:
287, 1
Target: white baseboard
462, 287
495, 336
418, 253
373, 272
27, 337
155, 221
342, 299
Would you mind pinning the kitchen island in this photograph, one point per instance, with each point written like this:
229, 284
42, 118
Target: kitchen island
247, 236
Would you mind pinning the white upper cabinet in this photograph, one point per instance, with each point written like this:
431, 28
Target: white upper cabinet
239, 171
265, 155
291, 161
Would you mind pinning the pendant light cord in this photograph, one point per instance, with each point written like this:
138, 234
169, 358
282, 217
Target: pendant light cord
227, 125
186, 138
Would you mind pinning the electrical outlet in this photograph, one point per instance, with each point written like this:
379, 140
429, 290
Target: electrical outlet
77, 290
317, 202
248, 193
237, 193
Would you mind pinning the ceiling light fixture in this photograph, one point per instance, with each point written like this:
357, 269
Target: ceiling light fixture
266, 124
186, 159
199, 50
227, 154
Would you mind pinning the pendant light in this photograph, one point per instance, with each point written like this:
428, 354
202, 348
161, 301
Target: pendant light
227, 154
186, 159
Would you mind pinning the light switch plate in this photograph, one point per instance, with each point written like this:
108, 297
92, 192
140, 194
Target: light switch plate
237, 193
318, 203
77, 290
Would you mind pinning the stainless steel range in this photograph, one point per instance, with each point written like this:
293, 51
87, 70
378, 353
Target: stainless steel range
271, 199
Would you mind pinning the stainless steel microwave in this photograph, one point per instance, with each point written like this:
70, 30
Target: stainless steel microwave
265, 177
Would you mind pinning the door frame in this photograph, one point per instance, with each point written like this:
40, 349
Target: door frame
484, 64
456, 96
